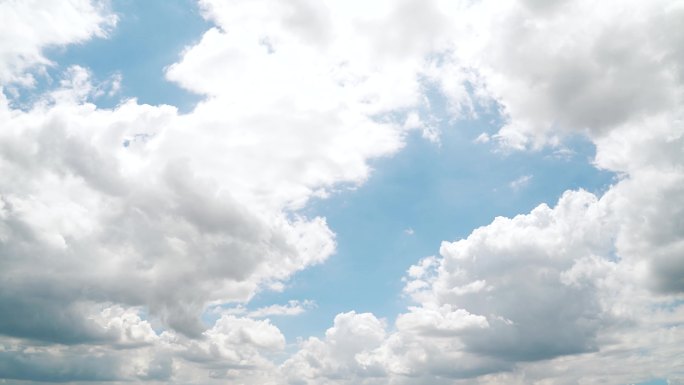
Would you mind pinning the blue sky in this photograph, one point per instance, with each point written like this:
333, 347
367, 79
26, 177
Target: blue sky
166, 247
138, 55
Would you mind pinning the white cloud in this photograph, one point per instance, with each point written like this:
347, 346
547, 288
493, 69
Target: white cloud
521, 182
137, 214
292, 308
511, 272
118, 227
483, 138
442, 320
231, 342
567, 67
30, 26
339, 354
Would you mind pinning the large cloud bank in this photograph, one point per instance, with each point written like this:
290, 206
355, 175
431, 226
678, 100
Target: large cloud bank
119, 227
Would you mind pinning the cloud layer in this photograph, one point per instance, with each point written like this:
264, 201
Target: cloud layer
120, 227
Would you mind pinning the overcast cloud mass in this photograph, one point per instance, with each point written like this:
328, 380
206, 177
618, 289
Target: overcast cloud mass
133, 238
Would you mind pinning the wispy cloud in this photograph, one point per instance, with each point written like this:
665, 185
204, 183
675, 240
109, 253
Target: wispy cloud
482, 138
521, 182
292, 308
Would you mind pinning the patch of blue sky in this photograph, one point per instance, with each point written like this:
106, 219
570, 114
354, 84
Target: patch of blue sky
653, 382
670, 305
149, 36
414, 200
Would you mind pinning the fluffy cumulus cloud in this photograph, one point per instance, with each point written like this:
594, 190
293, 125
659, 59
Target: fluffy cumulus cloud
28, 27
338, 357
120, 227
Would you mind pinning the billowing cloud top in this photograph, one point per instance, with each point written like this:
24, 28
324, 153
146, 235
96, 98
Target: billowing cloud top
120, 227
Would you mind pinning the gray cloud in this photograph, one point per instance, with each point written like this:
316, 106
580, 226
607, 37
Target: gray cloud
46, 367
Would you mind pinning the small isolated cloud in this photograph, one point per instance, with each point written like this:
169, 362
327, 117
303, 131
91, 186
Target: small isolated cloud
520, 183
563, 153
429, 130
409, 231
292, 308
114, 84
483, 138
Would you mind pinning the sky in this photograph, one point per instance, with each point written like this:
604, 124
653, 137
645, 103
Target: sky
341, 192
